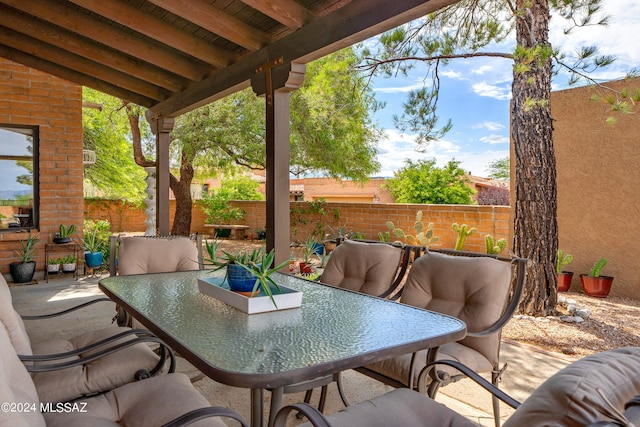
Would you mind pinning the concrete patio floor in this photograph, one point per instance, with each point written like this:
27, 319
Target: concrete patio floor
527, 367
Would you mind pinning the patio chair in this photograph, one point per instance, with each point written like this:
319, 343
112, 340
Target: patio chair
602, 389
168, 400
152, 254
483, 291
90, 363
372, 268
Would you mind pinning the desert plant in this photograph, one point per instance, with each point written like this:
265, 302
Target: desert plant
91, 242
27, 249
68, 259
384, 236
66, 231
421, 238
212, 249
463, 232
563, 260
494, 247
597, 267
308, 250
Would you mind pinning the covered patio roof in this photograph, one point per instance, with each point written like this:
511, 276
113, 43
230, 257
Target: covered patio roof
172, 56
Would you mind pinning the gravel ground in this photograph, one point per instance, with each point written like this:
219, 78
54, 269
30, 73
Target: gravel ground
613, 322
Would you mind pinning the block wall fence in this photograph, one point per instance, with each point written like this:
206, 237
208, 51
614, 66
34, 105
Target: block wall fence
366, 218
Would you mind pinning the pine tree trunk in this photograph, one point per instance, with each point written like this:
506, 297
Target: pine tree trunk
535, 221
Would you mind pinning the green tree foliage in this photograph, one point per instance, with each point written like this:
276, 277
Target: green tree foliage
472, 28
423, 182
500, 168
106, 131
331, 113
215, 204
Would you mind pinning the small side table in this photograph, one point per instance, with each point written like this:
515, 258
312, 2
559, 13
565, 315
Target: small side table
71, 247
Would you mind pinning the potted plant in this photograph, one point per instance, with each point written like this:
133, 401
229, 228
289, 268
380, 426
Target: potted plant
93, 249
69, 263
23, 271
594, 284
308, 250
64, 235
564, 277
249, 272
53, 267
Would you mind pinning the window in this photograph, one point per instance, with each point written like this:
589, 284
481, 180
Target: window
18, 177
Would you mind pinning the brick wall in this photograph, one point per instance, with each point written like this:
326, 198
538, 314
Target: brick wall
367, 218
29, 97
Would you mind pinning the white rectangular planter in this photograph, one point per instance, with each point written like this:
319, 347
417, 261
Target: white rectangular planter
218, 288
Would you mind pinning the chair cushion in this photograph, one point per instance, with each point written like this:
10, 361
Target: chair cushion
400, 407
362, 267
12, 321
16, 387
473, 289
398, 367
569, 398
139, 255
103, 374
151, 402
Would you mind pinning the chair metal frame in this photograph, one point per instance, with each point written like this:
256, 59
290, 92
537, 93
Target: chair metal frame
440, 378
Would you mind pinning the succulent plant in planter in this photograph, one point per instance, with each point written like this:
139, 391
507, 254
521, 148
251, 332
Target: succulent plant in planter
564, 277
594, 284
23, 271
64, 235
249, 272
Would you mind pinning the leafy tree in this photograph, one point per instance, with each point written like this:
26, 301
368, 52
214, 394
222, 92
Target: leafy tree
115, 173
216, 204
471, 28
500, 168
330, 114
423, 182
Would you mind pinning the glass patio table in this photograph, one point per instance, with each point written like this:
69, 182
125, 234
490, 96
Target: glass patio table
333, 330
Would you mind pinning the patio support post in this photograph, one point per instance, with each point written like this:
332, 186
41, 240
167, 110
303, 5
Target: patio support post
276, 80
161, 127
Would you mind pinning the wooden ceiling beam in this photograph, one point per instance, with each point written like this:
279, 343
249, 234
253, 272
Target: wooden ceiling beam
73, 76
286, 12
217, 21
54, 35
159, 30
344, 27
102, 32
56, 55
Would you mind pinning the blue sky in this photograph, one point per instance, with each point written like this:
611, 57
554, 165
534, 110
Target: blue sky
475, 94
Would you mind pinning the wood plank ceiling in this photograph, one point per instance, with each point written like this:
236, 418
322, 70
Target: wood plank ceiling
174, 55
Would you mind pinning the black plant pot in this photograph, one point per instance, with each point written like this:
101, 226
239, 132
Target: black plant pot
22, 272
61, 240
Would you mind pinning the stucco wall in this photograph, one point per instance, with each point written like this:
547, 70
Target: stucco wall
29, 97
598, 178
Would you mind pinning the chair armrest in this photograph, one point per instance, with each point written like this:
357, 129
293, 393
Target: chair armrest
202, 413
46, 367
315, 417
69, 310
471, 374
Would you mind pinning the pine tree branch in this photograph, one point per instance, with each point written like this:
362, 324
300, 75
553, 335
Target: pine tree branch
375, 63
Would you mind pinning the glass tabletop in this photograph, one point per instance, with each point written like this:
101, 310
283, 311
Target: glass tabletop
332, 330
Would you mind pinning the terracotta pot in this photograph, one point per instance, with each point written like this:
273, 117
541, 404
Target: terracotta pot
564, 281
596, 286
306, 268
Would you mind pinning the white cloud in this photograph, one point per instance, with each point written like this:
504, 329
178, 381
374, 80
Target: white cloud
492, 91
495, 139
453, 75
482, 70
489, 125
399, 89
